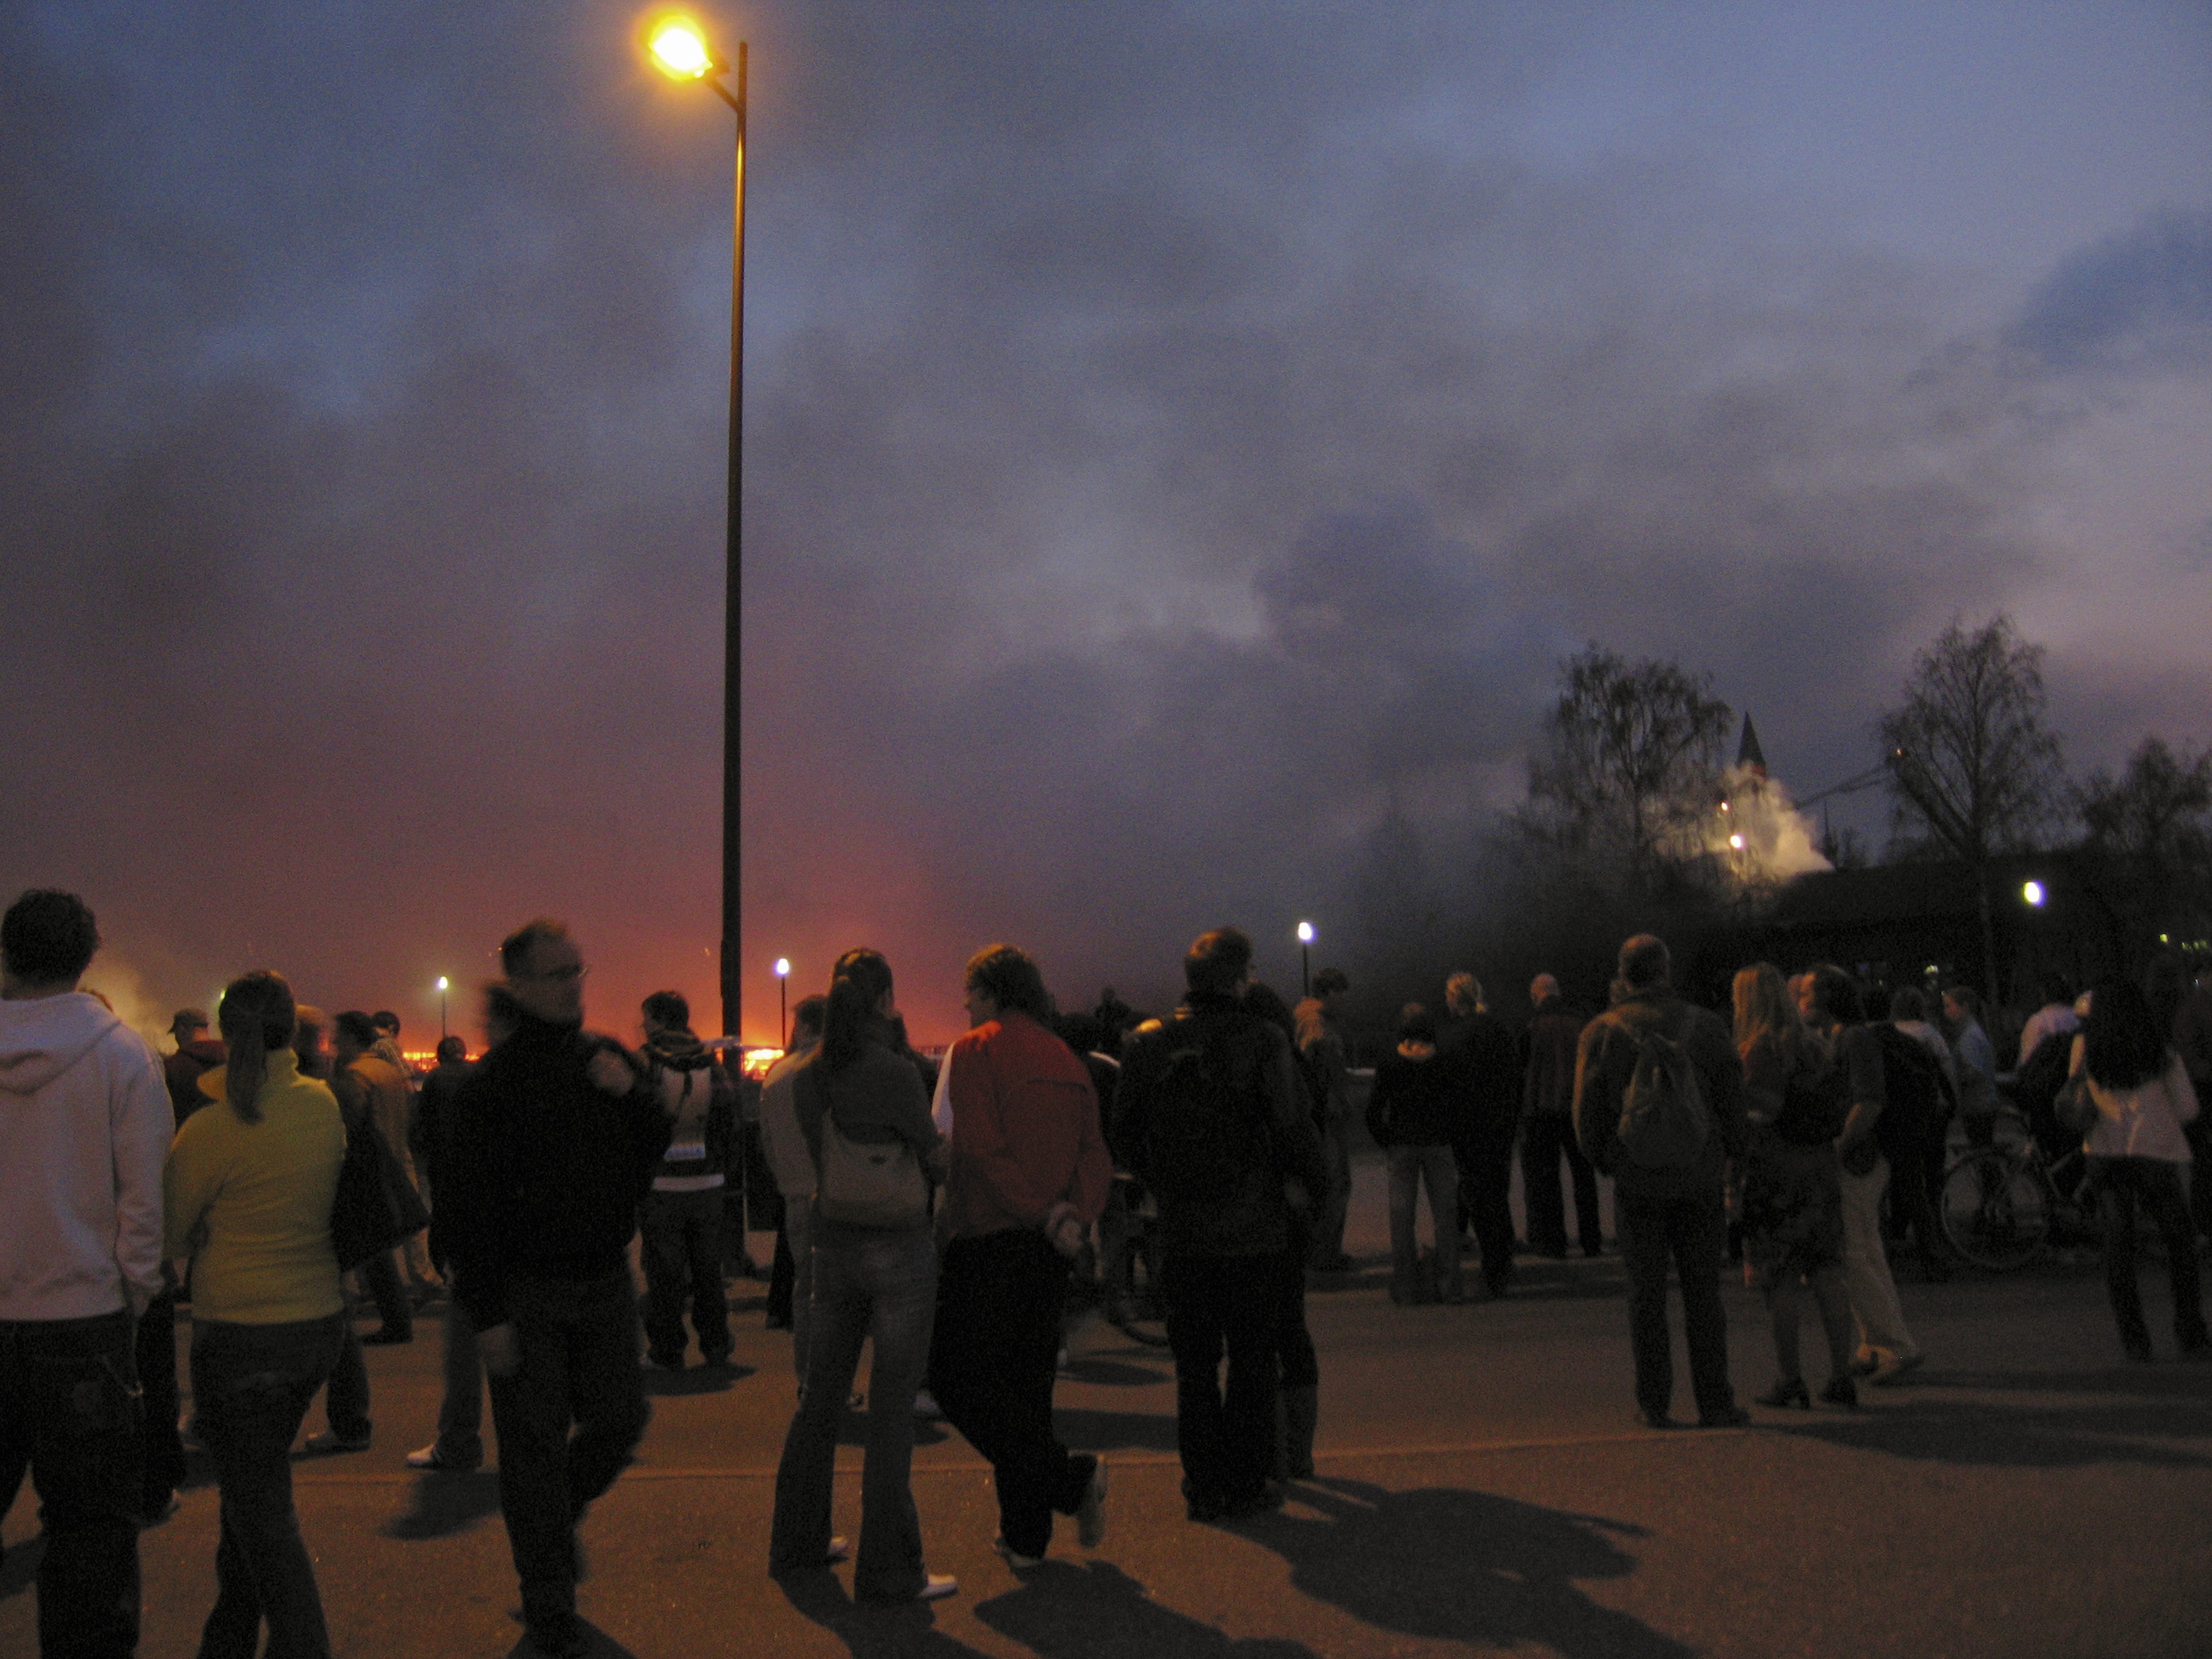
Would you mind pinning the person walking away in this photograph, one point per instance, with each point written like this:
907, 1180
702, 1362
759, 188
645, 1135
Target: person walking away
421, 1278
458, 1449
874, 1281
85, 1119
1547, 1128
1793, 1198
1830, 1006
2139, 1091
682, 1219
792, 1166
2192, 1040
371, 1089
556, 1139
1298, 1376
1325, 1058
249, 1187
1218, 1128
195, 1054
1976, 1060
1659, 1107
1478, 1051
1027, 1176
1414, 1113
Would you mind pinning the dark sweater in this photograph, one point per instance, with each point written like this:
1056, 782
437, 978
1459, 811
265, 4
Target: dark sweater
546, 1170
1417, 1101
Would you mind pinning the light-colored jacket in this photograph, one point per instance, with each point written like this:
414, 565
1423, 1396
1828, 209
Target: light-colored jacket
85, 1122
2144, 1121
788, 1160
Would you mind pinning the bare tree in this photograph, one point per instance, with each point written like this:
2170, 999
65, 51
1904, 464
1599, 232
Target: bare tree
1632, 761
1972, 769
2151, 824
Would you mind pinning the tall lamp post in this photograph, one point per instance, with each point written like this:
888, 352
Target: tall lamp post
1305, 958
782, 1020
679, 50
442, 983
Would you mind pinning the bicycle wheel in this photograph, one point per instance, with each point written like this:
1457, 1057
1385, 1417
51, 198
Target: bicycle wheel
1995, 1211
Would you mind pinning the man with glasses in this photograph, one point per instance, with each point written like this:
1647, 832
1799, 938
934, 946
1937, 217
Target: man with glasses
557, 1136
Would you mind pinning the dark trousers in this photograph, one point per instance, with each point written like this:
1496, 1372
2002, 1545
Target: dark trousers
250, 1386
782, 1276
993, 1358
682, 1247
1912, 1196
1486, 1204
1222, 1305
579, 1348
1327, 1247
69, 1409
2122, 1182
379, 1277
1294, 1343
156, 1349
1688, 1232
1544, 1137
345, 1407
460, 1407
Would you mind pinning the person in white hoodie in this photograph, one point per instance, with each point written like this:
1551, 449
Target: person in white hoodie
84, 1126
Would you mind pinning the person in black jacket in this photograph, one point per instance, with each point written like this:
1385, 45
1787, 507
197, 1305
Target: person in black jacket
1479, 1052
555, 1139
1416, 1114
1215, 1123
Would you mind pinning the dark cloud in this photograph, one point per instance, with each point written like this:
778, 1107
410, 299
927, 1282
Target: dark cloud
2138, 299
1180, 445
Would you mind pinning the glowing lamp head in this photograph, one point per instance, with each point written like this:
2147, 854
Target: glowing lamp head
2033, 892
679, 50
1736, 841
442, 983
1305, 933
783, 967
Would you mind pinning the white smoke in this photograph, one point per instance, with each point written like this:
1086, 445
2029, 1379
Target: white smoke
1758, 836
123, 989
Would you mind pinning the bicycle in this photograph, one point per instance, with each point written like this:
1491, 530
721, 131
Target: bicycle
2000, 1203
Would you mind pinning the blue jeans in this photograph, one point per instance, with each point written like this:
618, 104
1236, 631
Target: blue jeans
251, 1387
69, 1408
1438, 1169
866, 1284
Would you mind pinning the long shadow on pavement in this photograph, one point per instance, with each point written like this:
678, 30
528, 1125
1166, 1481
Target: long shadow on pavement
442, 1504
598, 1644
1451, 1565
1096, 1611
907, 1631
1978, 1433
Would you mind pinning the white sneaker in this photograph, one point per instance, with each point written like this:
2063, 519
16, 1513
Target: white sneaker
1090, 1514
936, 1587
926, 1408
839, 1550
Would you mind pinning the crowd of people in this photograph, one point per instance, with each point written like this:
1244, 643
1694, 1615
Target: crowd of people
939, 1211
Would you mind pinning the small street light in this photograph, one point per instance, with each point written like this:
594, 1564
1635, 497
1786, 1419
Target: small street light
782, 979
1305, 958
2033, 892
442, 984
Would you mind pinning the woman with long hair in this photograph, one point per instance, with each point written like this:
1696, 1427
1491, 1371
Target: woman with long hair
248, 1190
1793, 1201
874, 1276
2137, 1153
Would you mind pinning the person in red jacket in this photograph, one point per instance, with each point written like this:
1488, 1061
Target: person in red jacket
1029, 1175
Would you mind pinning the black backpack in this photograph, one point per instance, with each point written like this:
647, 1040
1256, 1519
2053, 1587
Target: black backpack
1204, 1132
1914, 1094
1815, 1101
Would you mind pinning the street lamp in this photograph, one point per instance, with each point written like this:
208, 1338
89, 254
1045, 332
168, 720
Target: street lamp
442, 983
679, 50
1305, 958
2033, 892
782, 979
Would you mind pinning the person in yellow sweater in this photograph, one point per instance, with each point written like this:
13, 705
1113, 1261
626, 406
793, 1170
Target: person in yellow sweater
247, 1192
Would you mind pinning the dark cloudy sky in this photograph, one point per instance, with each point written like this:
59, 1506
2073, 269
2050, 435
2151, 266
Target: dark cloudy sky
1181, 439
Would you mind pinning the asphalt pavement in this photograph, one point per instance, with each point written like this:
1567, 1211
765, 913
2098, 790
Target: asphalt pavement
1482, 1487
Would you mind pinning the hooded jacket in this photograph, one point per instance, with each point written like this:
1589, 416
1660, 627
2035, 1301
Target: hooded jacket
84, 1124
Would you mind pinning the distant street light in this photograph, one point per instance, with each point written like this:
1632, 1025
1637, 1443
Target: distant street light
2033, 893
679, 50
1305, 958
782, 979
442, 983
